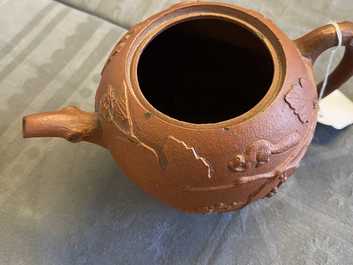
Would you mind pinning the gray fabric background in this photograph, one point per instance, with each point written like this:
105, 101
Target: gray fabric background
70, 204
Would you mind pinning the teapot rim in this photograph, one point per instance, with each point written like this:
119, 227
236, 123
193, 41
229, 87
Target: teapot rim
158, 24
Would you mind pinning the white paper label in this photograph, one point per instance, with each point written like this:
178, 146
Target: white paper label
336, 110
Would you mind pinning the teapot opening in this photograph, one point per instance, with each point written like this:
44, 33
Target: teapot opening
205, 70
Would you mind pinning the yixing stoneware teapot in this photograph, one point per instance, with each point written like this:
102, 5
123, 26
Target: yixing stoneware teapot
206, 106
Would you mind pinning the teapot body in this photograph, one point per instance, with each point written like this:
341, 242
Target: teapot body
208, 167
203, 163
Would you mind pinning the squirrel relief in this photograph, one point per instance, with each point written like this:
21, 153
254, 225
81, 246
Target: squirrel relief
260, 152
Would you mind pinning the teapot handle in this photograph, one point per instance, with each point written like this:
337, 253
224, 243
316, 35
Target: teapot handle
316, 42
69, 123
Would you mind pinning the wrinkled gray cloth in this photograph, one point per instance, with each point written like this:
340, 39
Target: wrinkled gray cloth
67, 204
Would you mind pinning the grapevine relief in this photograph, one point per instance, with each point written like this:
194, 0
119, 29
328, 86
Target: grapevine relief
116, 111
235, 183
283, 177
298, 102
221, 207
177, 146
256, 155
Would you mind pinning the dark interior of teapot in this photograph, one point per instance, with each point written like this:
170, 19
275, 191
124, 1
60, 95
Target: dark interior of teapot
205, 71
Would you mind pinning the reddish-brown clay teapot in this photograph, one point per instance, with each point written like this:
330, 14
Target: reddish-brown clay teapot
206, 106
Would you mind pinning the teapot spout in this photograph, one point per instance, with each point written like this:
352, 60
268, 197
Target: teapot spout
69, 123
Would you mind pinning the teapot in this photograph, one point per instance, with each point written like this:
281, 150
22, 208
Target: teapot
206, 106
